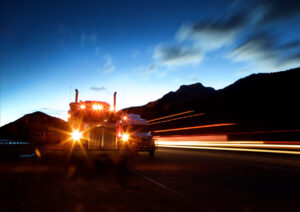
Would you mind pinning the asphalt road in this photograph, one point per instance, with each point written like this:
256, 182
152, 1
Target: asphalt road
172, 180
225, 180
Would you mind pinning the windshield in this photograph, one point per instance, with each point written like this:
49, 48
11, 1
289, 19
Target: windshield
137, 128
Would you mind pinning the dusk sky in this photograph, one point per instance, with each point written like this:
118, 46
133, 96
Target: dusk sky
141, 49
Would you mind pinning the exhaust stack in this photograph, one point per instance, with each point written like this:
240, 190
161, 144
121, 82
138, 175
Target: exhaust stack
76, 96
115, 101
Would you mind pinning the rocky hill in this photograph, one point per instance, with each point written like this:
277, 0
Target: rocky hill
183, 99
265, 101
36, 127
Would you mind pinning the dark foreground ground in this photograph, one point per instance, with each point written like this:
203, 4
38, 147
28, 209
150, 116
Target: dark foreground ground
173, 180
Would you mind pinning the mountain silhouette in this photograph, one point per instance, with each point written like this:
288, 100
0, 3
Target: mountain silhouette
182, 99
37, 127
264, 101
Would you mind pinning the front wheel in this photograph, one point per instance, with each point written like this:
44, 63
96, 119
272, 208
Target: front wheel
151, 152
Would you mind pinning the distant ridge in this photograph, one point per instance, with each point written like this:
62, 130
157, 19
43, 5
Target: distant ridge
36, 127
181, 99
264, 101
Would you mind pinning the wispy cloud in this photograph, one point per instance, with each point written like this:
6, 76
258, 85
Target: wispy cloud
247, 24
242, 35
213, 34
177, 55
88, 38
108, 66
263, 54
278, 10
95, 88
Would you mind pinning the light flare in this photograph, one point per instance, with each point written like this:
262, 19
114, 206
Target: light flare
125, 137
97, 107
76, 135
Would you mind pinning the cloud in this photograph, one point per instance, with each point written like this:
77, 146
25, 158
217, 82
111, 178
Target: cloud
213, 34
147, 71
290, 45
262, 53
177, 55
108, 67
256, 48
277, 10
194, 78
88, 38
245, 25
95, 88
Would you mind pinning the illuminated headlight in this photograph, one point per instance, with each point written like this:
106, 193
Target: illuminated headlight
97, 107
76, 135
125, 137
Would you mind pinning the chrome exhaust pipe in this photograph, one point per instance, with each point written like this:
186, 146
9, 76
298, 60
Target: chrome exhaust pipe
76, 96
115, 101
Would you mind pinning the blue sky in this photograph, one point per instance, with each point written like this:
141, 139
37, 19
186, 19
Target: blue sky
141, 49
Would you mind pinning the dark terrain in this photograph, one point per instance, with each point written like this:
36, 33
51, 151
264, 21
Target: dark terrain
36, 127
259, 102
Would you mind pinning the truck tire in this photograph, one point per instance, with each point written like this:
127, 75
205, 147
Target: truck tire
151, 153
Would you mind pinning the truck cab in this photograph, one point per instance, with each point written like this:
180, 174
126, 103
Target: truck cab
97, 126
139, 135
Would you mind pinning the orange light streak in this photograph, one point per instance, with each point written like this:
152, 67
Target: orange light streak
239, 149
196, 127
257, 132
177, 114
215, 137
248, 144
184, 117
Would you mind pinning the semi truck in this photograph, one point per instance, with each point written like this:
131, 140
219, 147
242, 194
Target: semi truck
140, 138
97, 126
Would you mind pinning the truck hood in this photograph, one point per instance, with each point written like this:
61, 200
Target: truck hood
141, 135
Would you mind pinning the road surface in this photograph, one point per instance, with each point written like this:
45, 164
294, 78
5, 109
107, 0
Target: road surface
226, 180
173, 180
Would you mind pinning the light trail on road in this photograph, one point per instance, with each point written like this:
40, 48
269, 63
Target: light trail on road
196, 127
237, 149
220, 143
184, 117
173, 115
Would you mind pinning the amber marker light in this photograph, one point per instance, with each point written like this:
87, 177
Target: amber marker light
82, 107
76, 135
125, 118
